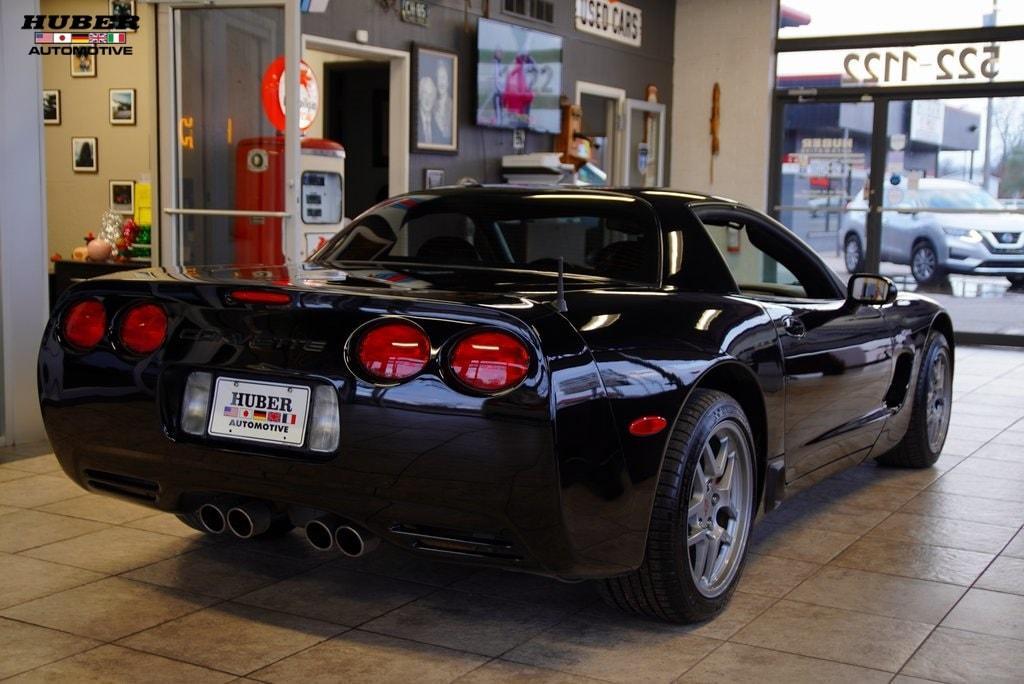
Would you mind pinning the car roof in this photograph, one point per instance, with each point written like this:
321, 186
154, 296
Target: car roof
946, 184
574, 191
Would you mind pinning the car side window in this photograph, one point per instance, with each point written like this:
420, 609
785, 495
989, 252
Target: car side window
754, 270
762, 262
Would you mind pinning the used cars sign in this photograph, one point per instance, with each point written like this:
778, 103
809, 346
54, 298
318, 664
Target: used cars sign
613, 20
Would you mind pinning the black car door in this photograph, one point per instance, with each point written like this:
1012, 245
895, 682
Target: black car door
838, 355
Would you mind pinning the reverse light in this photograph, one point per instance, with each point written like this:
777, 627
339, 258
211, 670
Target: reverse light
490, 361
85, 323
143, 328
325, 429
393, 351
196, 403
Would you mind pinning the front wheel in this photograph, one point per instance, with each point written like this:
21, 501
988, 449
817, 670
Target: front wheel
931, 409
924, 264
700, 524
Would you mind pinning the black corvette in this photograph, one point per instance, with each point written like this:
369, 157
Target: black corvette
583, 384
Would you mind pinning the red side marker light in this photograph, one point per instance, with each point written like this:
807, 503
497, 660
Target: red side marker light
261, 297
645, 426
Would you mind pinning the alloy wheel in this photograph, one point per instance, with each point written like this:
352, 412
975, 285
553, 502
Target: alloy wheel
719, 509
939, 398
852, 255
924, 263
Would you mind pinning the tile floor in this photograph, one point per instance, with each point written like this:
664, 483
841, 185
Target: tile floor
873, 575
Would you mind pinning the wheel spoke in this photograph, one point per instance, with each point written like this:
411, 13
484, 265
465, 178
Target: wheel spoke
696, 537
707, 456
711, 559
696, 508
700, 556
725, 452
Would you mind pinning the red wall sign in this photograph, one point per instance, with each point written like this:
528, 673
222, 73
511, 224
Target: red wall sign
272, 94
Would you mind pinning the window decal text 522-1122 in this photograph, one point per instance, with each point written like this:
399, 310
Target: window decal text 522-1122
934, 63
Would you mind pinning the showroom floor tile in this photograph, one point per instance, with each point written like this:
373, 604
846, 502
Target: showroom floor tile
870, 574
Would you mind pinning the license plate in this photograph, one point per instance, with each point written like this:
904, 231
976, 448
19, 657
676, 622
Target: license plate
268, 412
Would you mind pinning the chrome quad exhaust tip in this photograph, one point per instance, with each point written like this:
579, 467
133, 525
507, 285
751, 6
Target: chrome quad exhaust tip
320, 532
354, 542
249, 519
212, 518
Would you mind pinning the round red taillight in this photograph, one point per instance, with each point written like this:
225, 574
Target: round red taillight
490, 361
143, 328
85, 323
393, 351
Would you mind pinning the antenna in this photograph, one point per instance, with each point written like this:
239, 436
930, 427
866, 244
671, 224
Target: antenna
560, 299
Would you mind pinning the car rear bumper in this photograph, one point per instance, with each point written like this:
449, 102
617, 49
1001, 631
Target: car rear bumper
459, 477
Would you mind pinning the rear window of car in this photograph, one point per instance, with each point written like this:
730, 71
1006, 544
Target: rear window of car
614, 242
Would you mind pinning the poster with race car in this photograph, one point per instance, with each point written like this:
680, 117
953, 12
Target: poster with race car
518, 77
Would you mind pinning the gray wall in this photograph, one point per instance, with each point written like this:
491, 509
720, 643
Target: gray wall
585, 58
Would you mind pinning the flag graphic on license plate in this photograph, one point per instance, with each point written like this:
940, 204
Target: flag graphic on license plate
231, 411
260, 416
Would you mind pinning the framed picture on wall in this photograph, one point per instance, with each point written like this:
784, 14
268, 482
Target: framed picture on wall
83, 65
122, 106
433, 178
84, 155
51, 107
435, 100
122, 8
122, 196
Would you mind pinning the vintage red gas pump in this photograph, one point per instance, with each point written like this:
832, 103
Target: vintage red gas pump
259, 175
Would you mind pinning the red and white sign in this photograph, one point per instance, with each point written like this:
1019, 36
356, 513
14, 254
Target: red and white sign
273, 95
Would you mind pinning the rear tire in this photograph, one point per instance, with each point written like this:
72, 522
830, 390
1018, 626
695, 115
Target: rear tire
853, 254
705, 500
1016, 282
929, 417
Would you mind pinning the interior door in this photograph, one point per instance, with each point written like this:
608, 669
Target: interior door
643, 149
838, 356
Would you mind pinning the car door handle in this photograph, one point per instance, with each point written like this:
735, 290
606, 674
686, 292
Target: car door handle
793, 326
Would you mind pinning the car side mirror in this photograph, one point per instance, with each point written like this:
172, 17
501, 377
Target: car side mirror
868, 288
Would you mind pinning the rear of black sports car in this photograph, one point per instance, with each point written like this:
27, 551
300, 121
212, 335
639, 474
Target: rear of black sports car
444, 374
429, 422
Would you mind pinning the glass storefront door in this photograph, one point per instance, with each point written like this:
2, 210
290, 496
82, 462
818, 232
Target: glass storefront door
227, 166
952, 214
949, 203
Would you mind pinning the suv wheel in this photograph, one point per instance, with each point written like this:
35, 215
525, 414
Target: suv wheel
853, 254
924, 264
700, 523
